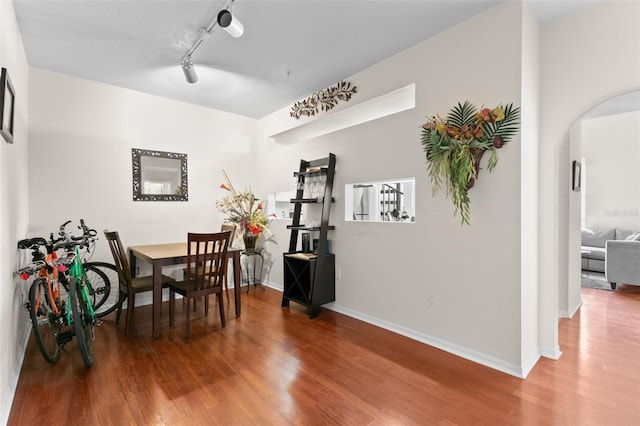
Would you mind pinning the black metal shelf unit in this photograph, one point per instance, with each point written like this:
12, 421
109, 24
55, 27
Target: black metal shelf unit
309, 278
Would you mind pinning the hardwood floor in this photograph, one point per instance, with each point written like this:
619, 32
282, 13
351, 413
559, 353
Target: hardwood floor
275, 366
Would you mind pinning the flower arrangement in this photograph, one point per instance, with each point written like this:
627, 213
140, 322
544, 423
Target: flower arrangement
244, 210
454, 147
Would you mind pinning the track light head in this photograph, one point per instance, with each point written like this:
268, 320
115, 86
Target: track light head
188, 69
230, 23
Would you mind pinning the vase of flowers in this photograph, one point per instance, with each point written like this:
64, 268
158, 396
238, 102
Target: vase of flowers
455, 145
245, 211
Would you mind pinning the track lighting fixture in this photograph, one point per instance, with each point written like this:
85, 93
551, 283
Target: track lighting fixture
230, 23
225, 20
189, 71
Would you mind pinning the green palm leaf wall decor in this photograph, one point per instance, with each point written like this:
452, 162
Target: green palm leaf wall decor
455, 145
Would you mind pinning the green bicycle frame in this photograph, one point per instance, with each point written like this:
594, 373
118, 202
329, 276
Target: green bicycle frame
77, 271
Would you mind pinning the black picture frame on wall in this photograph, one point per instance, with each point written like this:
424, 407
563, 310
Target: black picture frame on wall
576, 175
7, 106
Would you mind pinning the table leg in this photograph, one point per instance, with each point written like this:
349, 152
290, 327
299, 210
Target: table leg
237, 281
132, 264
157, 298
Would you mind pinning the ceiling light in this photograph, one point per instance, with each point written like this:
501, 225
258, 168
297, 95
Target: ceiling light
188, 69
226, 21
230, 23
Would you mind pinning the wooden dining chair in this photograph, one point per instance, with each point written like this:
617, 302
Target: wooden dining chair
205, 272
223, 228
129, 286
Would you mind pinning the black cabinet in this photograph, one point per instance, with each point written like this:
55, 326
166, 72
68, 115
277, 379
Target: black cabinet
309, 278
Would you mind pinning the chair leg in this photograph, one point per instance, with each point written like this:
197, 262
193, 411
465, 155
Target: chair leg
121, 298
221, 307
187, 315
172, 300
130, 308
206, 306
226, 287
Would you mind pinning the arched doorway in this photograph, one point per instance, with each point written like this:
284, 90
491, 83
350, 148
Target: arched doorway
612, 137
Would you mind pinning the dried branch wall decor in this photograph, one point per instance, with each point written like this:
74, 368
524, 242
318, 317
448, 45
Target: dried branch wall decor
326, 99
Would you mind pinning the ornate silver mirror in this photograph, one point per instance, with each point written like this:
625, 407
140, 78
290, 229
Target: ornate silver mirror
159, 176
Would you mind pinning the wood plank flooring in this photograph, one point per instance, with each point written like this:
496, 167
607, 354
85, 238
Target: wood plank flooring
274, 366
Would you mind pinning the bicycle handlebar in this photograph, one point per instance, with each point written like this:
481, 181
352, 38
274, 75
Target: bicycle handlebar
63, 226
65, 240
86, 230
87, 233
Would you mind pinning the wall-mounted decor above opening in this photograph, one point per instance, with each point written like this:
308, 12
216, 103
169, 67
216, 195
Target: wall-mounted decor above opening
391, 200
324, 99
159, 176
7, 106
402, 99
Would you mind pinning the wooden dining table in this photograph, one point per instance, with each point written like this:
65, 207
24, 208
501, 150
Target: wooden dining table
159, 255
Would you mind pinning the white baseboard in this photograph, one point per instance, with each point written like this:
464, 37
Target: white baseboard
570, 314
466, 353
551, 353
15, 376
146, 298
278, 287
530, 362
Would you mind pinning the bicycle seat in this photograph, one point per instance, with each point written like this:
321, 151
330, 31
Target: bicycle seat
30, 242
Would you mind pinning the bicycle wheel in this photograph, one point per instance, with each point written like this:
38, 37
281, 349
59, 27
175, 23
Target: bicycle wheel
102, 277
43, 319
82, 322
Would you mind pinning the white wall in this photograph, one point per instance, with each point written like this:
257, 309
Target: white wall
457, 287
587, 57
81, 136
14, 213
611, 146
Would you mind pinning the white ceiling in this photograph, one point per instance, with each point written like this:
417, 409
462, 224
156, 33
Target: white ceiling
289, 49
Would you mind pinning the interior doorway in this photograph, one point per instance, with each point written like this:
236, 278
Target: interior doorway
606, 141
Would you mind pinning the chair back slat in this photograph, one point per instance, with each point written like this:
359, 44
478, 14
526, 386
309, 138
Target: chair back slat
227, 227
206, 260
119, 257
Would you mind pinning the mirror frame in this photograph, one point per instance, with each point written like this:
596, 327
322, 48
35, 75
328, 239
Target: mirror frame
137, 173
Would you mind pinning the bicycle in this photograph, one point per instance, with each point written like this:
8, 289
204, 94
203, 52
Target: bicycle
47, 303
63, 282
101, 275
